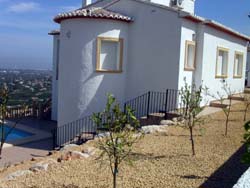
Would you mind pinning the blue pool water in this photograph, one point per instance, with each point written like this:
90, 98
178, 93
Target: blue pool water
15, 133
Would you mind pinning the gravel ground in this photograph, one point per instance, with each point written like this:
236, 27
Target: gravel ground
161, 160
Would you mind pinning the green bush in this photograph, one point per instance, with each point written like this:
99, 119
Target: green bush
246, 156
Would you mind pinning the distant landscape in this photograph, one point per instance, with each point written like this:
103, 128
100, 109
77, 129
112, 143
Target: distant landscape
27, 86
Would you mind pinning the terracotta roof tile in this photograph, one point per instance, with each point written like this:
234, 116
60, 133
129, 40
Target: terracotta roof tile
92, 12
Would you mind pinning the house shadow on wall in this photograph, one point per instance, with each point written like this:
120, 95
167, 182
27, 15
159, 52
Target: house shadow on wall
227, 175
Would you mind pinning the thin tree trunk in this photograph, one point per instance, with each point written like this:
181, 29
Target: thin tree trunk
226, 125
192, 140
228, 114
245, 115
114, 180
115, 174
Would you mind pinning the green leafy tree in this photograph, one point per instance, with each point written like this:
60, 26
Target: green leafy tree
191, 98
4, 97
246, 156
117, 144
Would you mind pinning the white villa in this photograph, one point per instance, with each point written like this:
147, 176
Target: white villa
129, 47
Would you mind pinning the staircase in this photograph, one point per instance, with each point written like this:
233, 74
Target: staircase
149, 108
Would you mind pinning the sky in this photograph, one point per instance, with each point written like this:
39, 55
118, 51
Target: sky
24, 27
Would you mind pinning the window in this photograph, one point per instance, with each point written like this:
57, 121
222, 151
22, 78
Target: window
190, 56
238, 65
222, 63
109, 55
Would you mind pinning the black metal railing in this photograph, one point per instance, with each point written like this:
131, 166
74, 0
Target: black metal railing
150, 103
154, 102
75, 132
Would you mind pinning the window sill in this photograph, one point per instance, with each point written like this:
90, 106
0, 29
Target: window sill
221, 76
237, 77
109, 71
189, 69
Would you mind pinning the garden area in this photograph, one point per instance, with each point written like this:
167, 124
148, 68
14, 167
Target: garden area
161, 159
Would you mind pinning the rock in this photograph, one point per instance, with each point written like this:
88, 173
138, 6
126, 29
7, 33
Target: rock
79, 155
17, 164
72, 155
33, 159
151, 129
39, 167
175, 119
167, 122
89, 150
102, 135
42, 166
50, 161
18, 173
68, 147
51, 153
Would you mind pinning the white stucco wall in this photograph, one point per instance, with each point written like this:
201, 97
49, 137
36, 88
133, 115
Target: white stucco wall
54, 111
162, 2
154, 48
207, 41
187, 5
187, 31
213, 39
248, 68
82, 91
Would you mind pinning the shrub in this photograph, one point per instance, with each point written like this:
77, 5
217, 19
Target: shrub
246, 156
117, 145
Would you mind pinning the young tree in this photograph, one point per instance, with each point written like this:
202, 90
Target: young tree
191, 98
121, 126
226, 108
246, 156
4, 97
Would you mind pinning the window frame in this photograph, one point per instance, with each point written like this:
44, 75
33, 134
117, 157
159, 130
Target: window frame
234, 73
98, 54
217, 56
186, 67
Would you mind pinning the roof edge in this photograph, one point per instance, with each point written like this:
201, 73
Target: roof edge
54, 32
96, 13
216, 26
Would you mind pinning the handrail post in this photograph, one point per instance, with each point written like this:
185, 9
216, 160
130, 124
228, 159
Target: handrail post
125, 107
148, 104
166, 105
54, 134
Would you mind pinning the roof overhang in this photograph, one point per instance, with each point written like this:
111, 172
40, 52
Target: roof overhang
54, 32
216, 26
94, 13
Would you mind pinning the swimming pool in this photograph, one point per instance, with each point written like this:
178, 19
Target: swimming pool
15, 133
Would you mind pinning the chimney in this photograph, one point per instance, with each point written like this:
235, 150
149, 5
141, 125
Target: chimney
86, 2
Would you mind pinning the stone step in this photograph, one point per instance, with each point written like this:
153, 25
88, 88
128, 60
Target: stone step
217, 104
236, 98
247, 90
